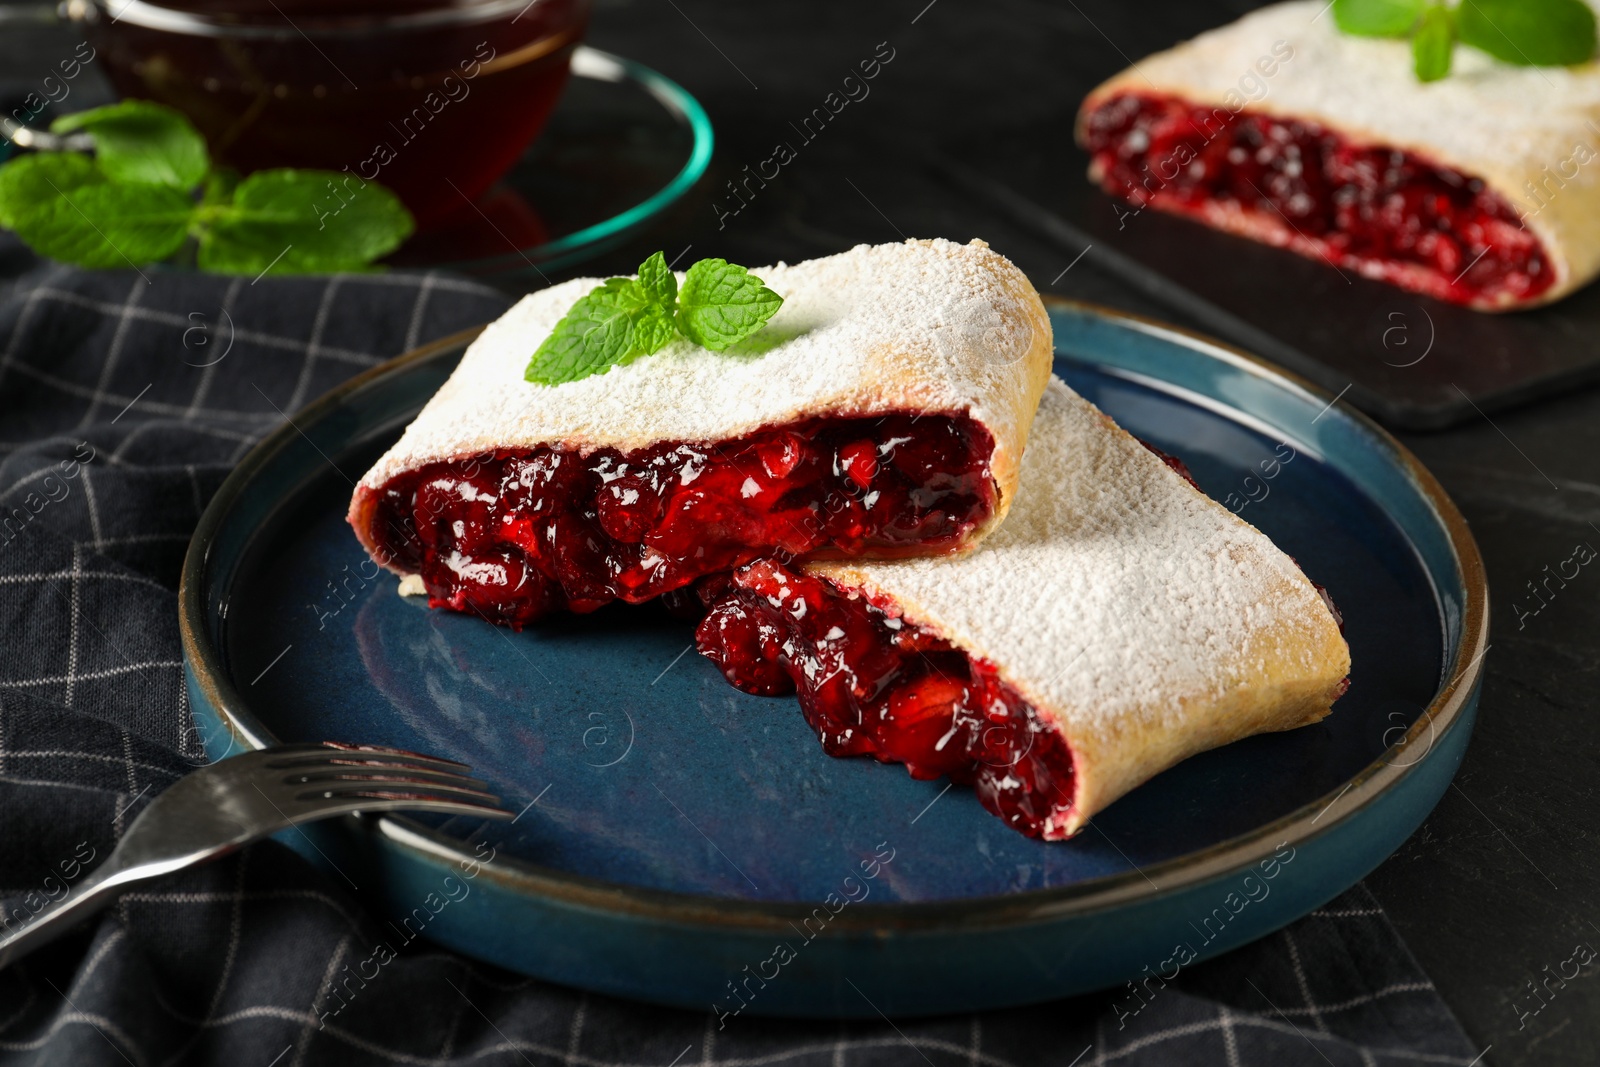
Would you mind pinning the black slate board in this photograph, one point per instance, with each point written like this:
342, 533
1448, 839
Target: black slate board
1411, 361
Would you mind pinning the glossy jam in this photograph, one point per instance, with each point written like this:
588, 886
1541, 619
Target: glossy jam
1178, 466
513, 536
1388, 214
873, 684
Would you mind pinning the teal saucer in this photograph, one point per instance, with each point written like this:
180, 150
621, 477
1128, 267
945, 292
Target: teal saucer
623, 147
683, 843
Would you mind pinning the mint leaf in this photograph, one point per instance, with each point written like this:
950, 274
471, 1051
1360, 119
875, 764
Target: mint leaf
721, 304
1377, 18
137, 141
289, 221
653, 328
219, 185
65, 207
1529, 33
658, 282
594, 336
1433, 44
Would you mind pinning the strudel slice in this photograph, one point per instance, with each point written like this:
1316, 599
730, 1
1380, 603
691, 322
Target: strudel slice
1481, 189
1119, 622
881, 412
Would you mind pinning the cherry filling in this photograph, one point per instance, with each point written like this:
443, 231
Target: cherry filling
871, 683
1386, 213
1178, 466
512, 536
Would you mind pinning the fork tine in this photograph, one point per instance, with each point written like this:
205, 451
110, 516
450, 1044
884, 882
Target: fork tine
426, 791
445, 807
358, 755
386, 750
381, 783
407, 775
377, 769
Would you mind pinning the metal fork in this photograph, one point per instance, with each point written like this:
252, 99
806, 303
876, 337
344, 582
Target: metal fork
227, 805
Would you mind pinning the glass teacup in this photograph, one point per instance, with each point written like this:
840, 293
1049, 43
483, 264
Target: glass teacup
434, 100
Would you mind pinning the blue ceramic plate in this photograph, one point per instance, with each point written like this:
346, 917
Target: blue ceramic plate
682, 842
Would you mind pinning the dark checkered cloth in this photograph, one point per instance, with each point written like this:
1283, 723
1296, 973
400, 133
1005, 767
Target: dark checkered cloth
121, 409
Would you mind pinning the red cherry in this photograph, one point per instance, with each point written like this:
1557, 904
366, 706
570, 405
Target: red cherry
873, 684
608, 525
859, 461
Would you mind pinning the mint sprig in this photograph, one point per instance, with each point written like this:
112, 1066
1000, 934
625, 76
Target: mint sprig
1433, 44
293, 214
1527, 33
722, 303
137, 141
150, 193
66, 207
1377, 18
718, 305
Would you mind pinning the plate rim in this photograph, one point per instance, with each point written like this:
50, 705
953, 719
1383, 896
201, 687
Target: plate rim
204, 663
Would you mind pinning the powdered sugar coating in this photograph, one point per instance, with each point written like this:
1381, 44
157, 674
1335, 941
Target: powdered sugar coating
1142, 618
924, 326
1510, 126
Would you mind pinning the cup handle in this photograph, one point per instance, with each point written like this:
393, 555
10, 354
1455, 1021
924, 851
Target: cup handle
13, 129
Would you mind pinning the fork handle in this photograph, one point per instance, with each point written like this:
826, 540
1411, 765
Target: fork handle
98, 889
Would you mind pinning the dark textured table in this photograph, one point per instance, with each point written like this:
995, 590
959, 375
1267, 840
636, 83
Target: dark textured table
1501, 882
